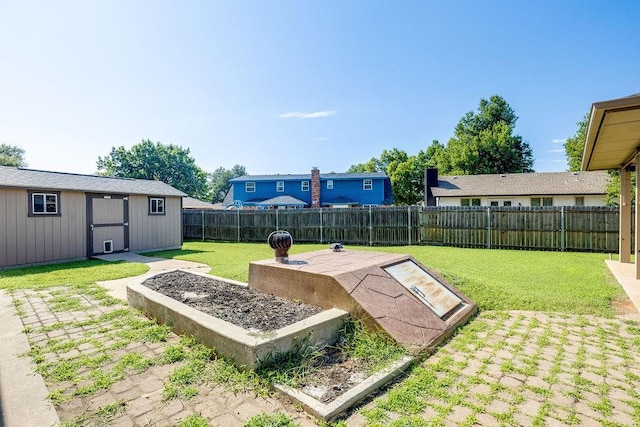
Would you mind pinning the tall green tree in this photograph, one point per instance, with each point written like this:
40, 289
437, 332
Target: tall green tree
170, 163
484, 142
574, 146
219, 183
11, 155
405, 172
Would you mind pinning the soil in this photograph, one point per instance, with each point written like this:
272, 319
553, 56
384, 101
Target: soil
332, 374
235, 304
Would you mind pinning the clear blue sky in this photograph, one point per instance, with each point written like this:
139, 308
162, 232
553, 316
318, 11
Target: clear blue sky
282, 86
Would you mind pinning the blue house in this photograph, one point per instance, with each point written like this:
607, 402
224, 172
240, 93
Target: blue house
336, 190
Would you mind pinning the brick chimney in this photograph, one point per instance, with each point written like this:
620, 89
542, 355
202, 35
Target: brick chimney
315, 187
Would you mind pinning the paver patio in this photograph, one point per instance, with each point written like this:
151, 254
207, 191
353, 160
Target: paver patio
504, 368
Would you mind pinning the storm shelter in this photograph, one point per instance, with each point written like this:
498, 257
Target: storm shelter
393, 292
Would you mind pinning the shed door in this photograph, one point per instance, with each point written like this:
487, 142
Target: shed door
108, 219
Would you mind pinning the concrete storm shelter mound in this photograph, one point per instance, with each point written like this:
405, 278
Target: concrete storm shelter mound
393, 292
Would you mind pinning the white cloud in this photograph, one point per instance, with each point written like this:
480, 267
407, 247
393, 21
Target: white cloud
559, 150
559, 141
321, 138
301, 115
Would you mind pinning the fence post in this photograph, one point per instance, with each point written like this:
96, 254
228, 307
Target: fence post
489, 227
202, 212
562, 229
370, 228
277, 221
238, 221
409, 222
320, 225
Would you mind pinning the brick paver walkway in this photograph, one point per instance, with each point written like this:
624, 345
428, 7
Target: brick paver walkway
504, 368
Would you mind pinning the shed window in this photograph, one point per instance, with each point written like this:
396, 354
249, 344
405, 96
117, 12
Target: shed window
280, 186
44, 203
305, 185
580, 201
329, 184
367, 184
250, 187
156, 205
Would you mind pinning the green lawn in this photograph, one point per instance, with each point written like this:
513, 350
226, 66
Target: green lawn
565, 282
78, 273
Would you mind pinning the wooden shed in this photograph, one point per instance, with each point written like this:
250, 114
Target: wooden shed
51, 216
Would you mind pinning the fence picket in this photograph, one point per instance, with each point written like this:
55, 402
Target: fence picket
570, 228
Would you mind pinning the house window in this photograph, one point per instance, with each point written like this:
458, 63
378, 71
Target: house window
580, 201
44, 203
280, 186
367, 184
542, 201
156, 205
494, 203
329, 184
250, 187
469, 202
506, 203
305, 185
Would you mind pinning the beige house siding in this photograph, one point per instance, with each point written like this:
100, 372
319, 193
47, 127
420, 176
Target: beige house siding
558, 200
148, 232
34, 240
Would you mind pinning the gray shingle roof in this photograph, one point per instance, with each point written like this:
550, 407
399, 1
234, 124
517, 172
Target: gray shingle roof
522, 184
44, 180
301, 177
282, 201
191, 203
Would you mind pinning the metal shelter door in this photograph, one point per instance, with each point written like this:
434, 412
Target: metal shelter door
108, 220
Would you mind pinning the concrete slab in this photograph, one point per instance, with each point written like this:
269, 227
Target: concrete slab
23, 394
625, 274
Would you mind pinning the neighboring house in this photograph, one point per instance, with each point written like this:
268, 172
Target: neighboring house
517, 189
50, 216
337, 190
189, 203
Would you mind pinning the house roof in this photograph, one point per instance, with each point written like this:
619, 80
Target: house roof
191, 203
340, 201
282, 201
522, 184
301, 177
613, 136
45, 180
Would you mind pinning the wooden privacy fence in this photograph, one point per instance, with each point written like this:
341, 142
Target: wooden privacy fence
593, 229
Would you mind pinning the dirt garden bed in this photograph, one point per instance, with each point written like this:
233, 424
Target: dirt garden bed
331, 374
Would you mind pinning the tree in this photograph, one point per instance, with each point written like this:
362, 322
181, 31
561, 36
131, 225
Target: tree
219, 184
12, 156
171, 164
373, 165
574, 146
484, 142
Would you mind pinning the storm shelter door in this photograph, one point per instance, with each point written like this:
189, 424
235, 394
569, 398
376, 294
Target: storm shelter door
108, 219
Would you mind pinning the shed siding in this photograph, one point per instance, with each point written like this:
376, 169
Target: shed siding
148, 232
29, 240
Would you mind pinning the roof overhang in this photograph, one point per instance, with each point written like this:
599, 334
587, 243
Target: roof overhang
613, 135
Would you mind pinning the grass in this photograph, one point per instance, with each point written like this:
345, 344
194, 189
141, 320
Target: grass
566, 282
79, 276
